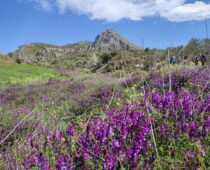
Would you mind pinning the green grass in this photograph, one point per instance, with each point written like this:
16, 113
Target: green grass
12, 73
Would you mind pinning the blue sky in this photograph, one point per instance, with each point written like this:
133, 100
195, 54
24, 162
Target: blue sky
68, 21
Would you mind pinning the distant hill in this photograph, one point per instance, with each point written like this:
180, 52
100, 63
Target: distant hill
87, 54
38, 53
111, 40
4, 59
45, 53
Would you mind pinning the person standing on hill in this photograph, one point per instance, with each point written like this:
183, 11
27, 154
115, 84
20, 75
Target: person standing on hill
196, 60
203, 60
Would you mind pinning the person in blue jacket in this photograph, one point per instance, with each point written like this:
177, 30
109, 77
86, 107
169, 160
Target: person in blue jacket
173, 60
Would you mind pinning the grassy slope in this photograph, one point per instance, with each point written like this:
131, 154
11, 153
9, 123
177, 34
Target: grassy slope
12, 73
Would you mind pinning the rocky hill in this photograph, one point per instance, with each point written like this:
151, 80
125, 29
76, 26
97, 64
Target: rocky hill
4, 59
98, 55
2, 56
44, 53
111, 40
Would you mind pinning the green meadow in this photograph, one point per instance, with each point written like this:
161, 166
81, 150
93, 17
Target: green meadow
12, 73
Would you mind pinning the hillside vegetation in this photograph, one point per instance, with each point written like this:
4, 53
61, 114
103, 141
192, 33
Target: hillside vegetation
131, 123
13, 73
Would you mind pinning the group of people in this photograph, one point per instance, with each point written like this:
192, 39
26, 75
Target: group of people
202, 59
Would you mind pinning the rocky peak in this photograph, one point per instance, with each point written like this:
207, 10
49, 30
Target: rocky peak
39, 52
111, 40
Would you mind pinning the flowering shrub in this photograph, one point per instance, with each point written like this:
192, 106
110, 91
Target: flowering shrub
194, 80
130, 81
159, 129
121, 139
99, 98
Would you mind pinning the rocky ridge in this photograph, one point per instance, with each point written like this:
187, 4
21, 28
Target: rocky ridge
38, 52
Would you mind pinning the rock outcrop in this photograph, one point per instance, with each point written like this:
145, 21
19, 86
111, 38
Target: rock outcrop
111, 40
44, 53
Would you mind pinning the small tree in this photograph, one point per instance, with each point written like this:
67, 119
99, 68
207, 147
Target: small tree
10, 54
146, 50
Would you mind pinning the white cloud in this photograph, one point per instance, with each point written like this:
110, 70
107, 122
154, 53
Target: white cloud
115, 10
187, 12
